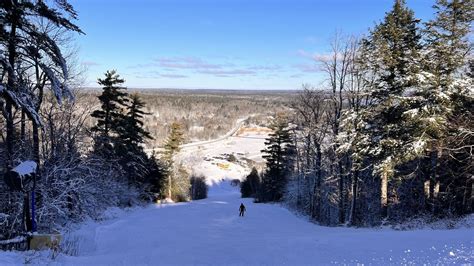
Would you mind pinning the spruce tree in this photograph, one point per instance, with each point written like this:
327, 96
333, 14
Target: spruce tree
110, 117
132, 130
446, 53
278, 154
394, 47
130, 137
251, 184
245, 189
174, 140
438, 104
175, 174
155, 176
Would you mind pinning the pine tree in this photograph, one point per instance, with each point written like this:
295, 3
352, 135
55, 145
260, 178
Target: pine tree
251, 184
199, 188
278, 154
172, 146
245, 189
447, 47
132, 131
434, 103
174, 140
130, 137
110, 117
394, 47
155, 176
447, 39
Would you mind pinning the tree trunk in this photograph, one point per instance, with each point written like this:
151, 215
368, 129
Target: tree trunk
23, 126
433, 180
11, 87
341, 193
384, 195
26, 213
355, 181
467, 195
169, 185
316, 205
10, 134
36, 144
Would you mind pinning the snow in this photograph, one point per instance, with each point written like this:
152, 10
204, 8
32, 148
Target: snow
210, 232
23, 100
58, 88
25, 168
17, 239
210, 158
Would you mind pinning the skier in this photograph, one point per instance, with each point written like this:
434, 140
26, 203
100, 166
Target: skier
241, 209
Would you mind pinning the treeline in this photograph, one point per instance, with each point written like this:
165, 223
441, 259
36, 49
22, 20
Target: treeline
203, 115
390, 136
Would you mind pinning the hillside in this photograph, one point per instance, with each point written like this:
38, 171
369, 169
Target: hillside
210, 232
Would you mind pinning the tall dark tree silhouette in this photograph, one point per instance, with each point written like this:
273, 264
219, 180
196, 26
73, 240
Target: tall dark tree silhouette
133, 132
278, 154
128, 143
110, 116
394, 47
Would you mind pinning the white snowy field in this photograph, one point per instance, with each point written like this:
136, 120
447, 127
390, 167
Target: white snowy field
210, 232
211, 158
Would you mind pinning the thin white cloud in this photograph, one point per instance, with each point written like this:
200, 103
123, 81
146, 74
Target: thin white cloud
174, 76
319, 57
90, 63
308, 67
198, 65
186, 63
265, 68
228, 73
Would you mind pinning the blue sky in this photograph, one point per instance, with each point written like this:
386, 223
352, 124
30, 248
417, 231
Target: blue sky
219, 44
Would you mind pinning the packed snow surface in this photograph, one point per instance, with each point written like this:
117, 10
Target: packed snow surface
210, 232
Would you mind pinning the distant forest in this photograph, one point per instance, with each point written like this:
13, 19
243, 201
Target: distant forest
203, 114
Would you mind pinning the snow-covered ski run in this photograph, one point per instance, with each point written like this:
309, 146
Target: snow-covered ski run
210, 232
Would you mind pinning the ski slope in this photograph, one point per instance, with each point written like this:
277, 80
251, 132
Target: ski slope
210, 232
207, 159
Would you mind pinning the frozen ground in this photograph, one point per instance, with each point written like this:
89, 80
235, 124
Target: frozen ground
209, 232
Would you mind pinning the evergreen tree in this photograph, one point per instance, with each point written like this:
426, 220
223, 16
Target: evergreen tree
175, 175
278, 156
394, 47
251, 184
447, 47
439, 105
110, 117
245, 189
199, 188
133, 133
174, 140
447, 39
155, 176
129, 140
